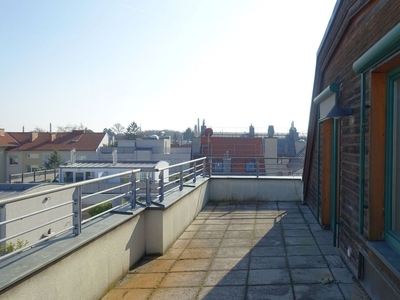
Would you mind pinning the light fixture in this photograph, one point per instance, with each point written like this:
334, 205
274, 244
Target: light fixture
336, 112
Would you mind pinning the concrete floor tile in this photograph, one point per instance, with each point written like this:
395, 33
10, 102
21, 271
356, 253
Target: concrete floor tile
151, 265
267, 241
269, 292
268, 251
193, 227
183, 279
286, 226
198, 253
293, 220
233, 252
174, 293
299, 262
188, 235
213, 227
230, 263
299, 240
241, 227
226, 277
267, 226
318, 291
209, 234
204, 243
311, 275
238, 234
291, 232
143, 281
272, 276
217, 222
238, 242
137, 294
181, 243
266, 232
265, 262
303, 250
242, 220
324, 240
267, 220
329, 250
198, 221
172, 253
198, 264
353, 291
222, 292
343, 275
335, 261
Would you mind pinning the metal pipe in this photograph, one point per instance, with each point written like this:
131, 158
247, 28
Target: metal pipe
362, 158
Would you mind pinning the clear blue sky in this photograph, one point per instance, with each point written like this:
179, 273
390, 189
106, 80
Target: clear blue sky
162, 64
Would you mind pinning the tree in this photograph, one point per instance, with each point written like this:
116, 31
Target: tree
71, 127
133, 132
53, 161
188, 134
38, 129
118, 128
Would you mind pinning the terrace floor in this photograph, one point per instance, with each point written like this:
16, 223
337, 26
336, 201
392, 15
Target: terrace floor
249, 250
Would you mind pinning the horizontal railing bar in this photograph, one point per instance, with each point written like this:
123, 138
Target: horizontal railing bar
105, 201
36, 243
65, 187
106, 190
37, 227
180, 164
35, 213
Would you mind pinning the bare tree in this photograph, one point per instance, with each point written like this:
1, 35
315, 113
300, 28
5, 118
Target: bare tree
118, 128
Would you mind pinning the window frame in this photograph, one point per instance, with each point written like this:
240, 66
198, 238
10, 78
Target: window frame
391, 236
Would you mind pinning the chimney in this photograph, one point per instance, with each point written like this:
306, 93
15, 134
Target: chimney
50, 127
2, 132
52, 136
73, 156
34, 135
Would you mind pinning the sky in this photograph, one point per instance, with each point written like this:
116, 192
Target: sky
162, 64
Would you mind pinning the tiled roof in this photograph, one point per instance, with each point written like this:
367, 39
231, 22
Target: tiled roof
7, 140
60, 141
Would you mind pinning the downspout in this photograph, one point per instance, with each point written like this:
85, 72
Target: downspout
318, 165
362, 157
334, 179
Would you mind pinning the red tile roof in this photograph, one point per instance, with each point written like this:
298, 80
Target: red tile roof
60, 141
7, 140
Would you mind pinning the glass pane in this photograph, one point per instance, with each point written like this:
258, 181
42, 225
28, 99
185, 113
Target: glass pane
79, 176
68, 177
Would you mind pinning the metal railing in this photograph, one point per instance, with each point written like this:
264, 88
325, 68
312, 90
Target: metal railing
35, 176
135, 192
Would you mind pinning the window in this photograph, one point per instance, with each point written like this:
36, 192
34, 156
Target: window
392, 217
250, 166
78, 176
89, 175
13, 160
68, 177
32, 155
218, 167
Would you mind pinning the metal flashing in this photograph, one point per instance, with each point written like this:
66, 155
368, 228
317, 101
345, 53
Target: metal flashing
386, 46
329, 91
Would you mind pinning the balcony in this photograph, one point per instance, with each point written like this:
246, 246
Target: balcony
209, 238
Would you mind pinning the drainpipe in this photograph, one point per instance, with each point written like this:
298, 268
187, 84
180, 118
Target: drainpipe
318, 166
362, 157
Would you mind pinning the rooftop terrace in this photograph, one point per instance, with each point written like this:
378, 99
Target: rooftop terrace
245, 250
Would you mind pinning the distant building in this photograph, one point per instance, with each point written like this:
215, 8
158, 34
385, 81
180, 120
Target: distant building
26, 151
245, 154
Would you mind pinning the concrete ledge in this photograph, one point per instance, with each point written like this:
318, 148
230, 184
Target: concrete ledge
164, 224
246, 188
84, 266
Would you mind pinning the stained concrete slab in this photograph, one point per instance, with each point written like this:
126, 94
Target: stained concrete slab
245, 251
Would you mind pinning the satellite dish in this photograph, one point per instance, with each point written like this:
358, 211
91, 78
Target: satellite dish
208, 132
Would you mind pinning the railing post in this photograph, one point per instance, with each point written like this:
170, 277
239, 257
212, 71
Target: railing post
77, 210
181, 179
204, 168
210, 167
132, 192
22, 178
45, 175
161, 186
194, 172
258, 168
34, 176
148, 196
